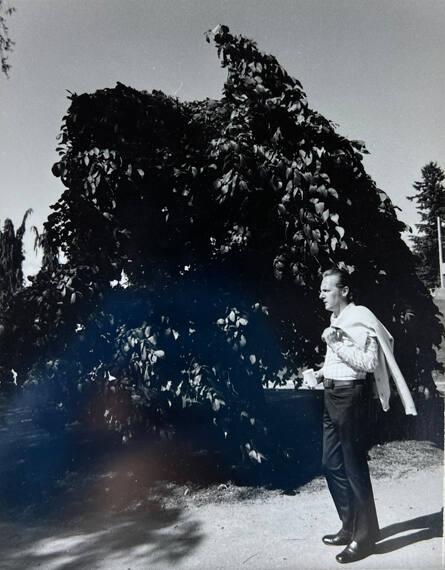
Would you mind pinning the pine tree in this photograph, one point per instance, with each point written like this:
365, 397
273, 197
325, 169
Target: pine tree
430, 199
11, 258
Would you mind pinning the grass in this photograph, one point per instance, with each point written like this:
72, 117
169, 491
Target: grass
398, 459
393, 460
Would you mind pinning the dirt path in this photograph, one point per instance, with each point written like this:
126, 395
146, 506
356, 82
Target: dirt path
286, 531
276, 532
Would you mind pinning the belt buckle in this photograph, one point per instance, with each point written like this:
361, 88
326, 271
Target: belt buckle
328, 383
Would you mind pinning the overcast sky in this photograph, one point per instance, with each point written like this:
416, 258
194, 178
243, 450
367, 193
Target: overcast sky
375, 67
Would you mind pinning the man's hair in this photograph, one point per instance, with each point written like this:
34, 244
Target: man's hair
344, 279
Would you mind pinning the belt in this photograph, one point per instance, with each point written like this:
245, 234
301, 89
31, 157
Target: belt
331, 383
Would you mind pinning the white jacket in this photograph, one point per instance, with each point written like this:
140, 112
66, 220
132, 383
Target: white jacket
354, 320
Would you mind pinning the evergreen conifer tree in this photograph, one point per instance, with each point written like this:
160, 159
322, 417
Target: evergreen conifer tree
430, 200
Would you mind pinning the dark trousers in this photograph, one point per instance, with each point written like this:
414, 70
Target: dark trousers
345, 462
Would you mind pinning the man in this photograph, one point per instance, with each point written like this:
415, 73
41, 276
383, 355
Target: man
357, 344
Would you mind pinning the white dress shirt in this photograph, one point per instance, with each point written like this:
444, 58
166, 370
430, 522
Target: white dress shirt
345, 360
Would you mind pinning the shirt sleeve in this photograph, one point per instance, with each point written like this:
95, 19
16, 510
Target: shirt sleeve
364, 360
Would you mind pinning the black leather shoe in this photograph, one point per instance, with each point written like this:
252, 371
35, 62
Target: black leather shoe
353, 552
342, 537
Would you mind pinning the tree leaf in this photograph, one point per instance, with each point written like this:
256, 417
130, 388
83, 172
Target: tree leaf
340, 231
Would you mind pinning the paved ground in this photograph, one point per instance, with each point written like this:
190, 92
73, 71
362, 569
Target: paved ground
282, 532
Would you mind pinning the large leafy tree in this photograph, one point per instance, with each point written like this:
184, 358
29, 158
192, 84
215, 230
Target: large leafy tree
222, 215
6, 44
430, 201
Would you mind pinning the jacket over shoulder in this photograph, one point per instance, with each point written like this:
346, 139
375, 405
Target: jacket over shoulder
353, 320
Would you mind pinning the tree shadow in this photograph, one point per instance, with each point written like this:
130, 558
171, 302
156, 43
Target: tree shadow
115, 509
426, 526
74, 498
155, 535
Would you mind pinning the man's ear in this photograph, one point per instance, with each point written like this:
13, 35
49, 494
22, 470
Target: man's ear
345, 291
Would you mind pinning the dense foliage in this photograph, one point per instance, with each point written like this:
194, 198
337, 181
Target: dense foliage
430, 200
221, 215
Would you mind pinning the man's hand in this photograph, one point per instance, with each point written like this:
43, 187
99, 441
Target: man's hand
330, 335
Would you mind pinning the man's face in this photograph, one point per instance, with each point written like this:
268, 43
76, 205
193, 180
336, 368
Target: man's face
332, 296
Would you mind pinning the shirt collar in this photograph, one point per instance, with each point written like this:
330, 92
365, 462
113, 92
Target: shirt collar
334, 318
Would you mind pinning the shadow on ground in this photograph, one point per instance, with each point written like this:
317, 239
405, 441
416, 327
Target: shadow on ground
153, 534
74, 498
425, 527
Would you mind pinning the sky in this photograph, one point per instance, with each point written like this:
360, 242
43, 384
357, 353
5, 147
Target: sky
374, 67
